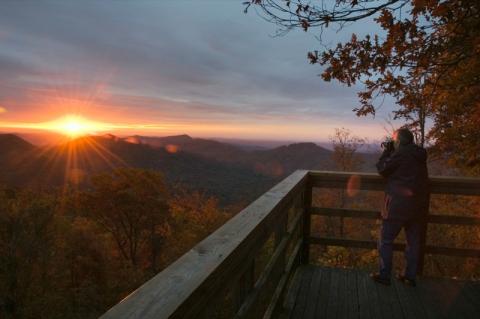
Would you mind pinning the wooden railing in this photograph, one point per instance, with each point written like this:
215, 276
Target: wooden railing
374, 182
223, 266
242, 270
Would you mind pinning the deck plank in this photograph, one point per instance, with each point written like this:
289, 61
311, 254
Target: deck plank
302, 296
409, 301
352, 295
472, 294
332, 305
431, 298
350, 305
364, 307
342, 294
331, 293
373, 298
390, 303
313, 293
460, 306
322, 298
292, 292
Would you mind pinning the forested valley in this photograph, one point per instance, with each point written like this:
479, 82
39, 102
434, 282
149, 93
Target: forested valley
91, 222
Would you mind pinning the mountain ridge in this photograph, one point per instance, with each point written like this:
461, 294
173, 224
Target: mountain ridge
225, 171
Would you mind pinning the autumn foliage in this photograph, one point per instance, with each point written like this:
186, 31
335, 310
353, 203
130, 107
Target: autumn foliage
424, 55
73, 254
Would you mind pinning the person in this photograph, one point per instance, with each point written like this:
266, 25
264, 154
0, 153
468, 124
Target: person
404, 166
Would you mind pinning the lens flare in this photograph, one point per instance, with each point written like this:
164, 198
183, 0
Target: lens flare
353, 185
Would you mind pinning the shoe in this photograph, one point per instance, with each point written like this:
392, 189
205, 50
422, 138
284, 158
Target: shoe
406, 281
377, 278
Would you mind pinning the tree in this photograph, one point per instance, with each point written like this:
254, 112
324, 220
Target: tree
131, 205
72, 253
27, 229
425, 56
345, 150
346, 158
195, 215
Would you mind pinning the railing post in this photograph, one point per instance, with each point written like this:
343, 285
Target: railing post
280, 232
423, 236
307, 209
245, 284
281, 229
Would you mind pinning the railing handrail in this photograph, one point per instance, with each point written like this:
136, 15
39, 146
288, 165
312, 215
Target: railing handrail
373, 214
370, 181
183, 288
451, 185
188, 284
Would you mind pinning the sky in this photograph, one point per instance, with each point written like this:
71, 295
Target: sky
202, 68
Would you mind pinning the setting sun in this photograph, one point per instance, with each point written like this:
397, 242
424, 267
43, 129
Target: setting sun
74, 126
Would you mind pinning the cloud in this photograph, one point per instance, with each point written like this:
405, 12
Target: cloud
181, 60
2, 110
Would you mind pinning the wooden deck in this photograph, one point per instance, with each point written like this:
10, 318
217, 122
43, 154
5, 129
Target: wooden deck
226, 275
317, 292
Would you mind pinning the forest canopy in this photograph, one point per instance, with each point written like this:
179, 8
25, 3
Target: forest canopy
424, 55
69, 253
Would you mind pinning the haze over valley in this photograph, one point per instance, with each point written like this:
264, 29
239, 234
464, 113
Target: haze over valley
230, 172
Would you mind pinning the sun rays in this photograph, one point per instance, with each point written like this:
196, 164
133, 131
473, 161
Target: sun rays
70, 125
73, 126
86, 149
76, 160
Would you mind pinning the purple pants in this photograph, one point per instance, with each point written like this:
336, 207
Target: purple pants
390, 231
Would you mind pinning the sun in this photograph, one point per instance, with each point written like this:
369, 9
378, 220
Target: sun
74, 126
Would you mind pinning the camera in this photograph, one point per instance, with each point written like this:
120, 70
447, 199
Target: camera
388, 145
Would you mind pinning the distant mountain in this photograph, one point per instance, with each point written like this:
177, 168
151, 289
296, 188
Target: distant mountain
277, 162
13, 143
228, 172
15, 154
43, 138
76, 160
283, 160
251, 145
210, 149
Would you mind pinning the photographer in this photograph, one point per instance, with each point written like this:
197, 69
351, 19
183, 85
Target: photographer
403, 165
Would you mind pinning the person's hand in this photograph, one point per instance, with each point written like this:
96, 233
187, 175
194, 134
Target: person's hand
387, 152
388, 146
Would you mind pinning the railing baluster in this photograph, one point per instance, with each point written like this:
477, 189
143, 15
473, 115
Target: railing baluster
423, 237
280, 234
245, 284
281, 230
373, 182
307, 209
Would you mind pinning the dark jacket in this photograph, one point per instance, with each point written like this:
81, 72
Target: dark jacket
406, 191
